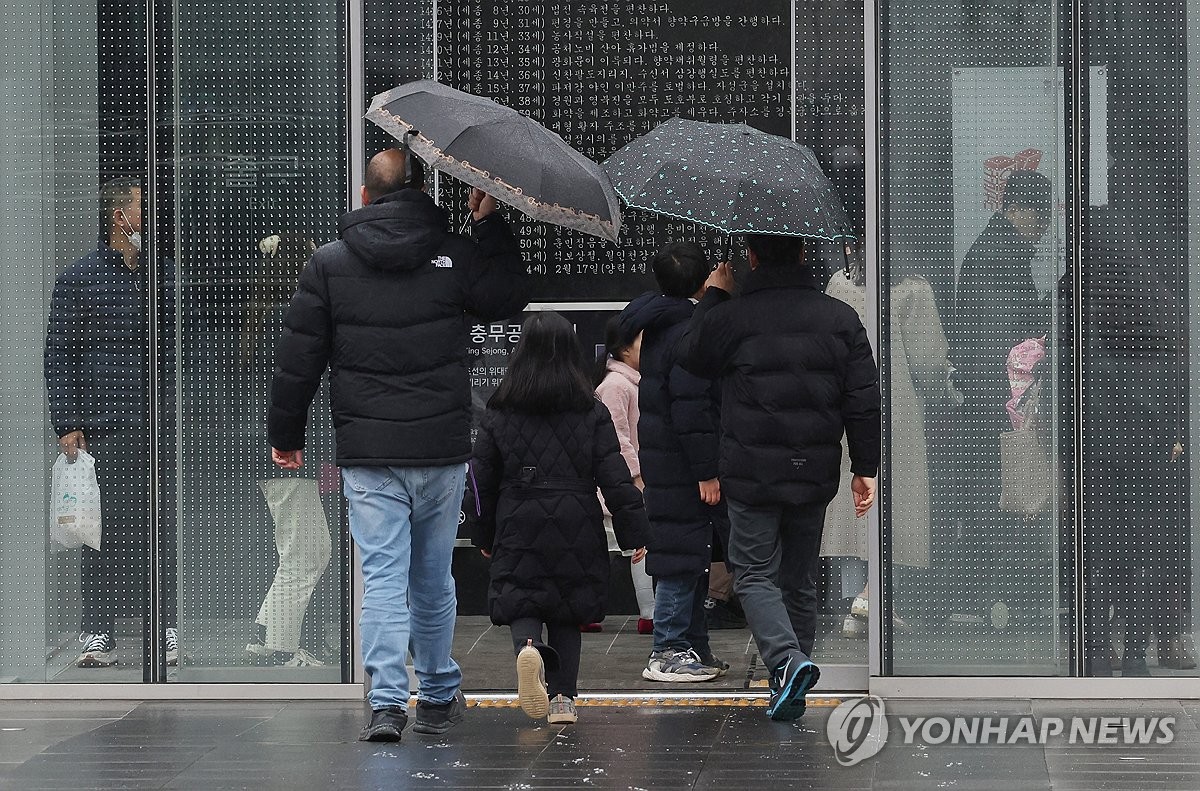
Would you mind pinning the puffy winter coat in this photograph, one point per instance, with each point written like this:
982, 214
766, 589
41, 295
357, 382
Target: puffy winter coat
796, 372
536, 479
385, 308
679, 443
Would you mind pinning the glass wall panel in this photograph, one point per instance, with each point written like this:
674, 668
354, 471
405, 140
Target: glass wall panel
261, 174
74, 354
973, 230
1139, 350
829, 111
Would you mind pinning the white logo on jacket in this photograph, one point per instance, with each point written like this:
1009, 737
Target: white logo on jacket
443, 262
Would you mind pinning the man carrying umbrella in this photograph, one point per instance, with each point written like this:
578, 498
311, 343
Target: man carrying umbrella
796, 371
384, 308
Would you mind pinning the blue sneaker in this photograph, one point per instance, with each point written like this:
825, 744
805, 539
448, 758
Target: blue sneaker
791, 681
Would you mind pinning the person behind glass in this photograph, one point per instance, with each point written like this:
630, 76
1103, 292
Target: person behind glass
616, 381
678, 432
918, 383
796, 372
1136, 542
301, 528
545, 444
996, 307
385, 309
97, 382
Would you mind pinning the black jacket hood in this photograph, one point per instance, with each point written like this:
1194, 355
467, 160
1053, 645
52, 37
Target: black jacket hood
401, 230
654, 310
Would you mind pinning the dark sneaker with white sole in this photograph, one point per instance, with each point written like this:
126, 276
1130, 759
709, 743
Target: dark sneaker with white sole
791, 682
386, 725
673, 665
172, 647
438, 718
99, 650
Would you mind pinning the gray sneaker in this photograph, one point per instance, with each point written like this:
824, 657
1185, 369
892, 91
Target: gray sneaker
562, 711
679, 666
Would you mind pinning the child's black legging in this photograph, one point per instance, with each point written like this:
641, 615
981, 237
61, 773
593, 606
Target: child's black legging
562, 676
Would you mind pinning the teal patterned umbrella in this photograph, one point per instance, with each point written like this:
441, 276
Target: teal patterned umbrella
730, 177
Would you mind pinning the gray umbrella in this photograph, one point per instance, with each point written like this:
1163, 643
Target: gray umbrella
507, 155
730, 177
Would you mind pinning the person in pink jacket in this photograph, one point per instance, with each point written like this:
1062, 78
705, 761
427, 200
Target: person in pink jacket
616, 380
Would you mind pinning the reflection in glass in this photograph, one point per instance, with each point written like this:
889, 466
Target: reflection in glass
973, 165
96, 368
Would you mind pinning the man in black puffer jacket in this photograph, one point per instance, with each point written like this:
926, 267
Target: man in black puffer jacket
796, 371
678, 448
385, 308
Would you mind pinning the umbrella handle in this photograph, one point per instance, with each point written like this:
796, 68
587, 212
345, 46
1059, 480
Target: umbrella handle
727, 256
466, 224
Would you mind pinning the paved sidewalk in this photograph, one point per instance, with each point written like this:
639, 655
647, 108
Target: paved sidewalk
696, 743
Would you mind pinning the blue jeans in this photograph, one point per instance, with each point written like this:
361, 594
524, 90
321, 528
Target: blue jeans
679, 622
404, 521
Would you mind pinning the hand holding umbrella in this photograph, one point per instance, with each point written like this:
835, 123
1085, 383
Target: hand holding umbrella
481, 204
498, 150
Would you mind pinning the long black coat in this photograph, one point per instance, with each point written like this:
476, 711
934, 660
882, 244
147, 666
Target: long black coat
678, 441
796, 371
996, 307
536, 478
385, 307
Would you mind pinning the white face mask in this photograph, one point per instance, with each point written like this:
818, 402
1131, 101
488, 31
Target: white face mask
134, 237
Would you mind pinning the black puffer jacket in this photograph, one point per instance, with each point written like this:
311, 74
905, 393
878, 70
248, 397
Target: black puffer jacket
678, 441
796, 371
385, 307
536, 479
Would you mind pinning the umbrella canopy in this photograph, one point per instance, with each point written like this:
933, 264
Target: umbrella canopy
507, 155
731, 177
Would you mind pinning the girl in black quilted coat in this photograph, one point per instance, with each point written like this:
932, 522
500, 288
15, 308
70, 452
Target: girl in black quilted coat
545, 444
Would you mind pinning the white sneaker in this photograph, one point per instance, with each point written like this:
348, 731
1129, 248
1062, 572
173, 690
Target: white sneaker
854, 628
861, 608
302, 658
531, 682
172, 647
99, 650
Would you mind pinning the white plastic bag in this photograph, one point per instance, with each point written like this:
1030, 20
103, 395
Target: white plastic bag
75, 503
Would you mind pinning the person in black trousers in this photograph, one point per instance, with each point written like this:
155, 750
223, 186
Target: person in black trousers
97, 382
796, 373
545, 444
996, 306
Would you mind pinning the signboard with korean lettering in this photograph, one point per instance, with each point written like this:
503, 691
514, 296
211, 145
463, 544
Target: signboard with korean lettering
601, 74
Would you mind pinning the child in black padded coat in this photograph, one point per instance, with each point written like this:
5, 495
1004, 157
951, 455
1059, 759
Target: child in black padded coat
545, 444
